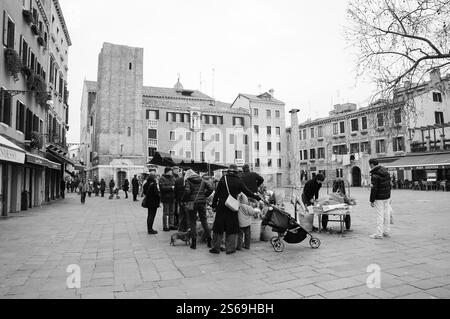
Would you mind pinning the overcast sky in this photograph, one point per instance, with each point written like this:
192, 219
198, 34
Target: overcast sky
296, 47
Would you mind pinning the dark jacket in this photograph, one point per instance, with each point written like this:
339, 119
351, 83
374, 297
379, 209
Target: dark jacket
227, 220
135, 185
102, 185
194, 193
152, 193
311, 190
179, 188
252, 180
381, 184
126, 185
166, 187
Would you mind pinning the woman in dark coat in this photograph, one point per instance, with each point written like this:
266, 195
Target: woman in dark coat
102, 187
151, 191
126, 187
226, 220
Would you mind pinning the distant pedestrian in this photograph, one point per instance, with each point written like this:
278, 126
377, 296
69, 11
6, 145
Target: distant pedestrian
151, 192
176, 175
126, 187
62, 188
90, 187
83, 188
96, 187
102, 187
183, 218
68, 185
135, 187
380, 196
167, 189
112, 186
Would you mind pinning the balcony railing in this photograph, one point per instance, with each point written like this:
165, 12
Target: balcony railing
152, 123
152, 142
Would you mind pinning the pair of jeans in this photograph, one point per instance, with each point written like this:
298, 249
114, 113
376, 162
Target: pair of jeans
244, 238
83, 197
151, 218
200, 209
168, 214
230, 242
383, 217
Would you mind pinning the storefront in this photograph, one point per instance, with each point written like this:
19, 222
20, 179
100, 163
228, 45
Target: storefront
12, 159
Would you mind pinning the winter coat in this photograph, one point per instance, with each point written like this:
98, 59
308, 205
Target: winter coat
167, 188
135, 186
126, 186
246, 215
102, 185
381, 184
152, 193
179, 188
83, 187
311, 190
194, 193
111, 186
252, 180
226, 220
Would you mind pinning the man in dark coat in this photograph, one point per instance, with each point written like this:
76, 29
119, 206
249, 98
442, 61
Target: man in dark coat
135, 187
167, 189
126, 187
62, 187
153, 200
226, 220
311, 193
180, 184
380, 195
251, 179
102, 187
196, 192
96, 186
176, 176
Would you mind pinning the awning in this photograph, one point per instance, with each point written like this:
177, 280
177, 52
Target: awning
37, 160
53, 165
423, 161
59, 156
10, 152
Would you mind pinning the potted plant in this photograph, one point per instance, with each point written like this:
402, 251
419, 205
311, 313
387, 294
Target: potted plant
13, 63
40, 41
36, 140
37, 83
34, 29
28, 16
26, 71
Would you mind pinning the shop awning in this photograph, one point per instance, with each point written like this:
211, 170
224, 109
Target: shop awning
10, 152
425, 161
37, 160
53, 165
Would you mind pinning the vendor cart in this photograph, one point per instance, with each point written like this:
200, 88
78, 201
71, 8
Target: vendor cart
344, 187
340, 214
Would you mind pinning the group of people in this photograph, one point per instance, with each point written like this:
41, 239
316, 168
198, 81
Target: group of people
183, 195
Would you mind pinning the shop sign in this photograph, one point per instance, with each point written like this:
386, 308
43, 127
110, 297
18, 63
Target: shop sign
7, 154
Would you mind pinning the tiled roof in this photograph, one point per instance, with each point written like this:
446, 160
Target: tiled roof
172, 92
259, 99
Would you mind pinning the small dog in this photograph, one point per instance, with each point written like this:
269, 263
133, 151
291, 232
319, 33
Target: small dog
184, 236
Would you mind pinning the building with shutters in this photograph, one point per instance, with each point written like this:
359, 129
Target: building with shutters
33, 152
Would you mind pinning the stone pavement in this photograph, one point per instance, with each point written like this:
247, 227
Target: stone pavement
108, 240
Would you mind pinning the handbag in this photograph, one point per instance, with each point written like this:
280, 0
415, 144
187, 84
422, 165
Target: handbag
190, 205
231, 202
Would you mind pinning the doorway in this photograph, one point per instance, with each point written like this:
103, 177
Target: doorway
121, 176
356, 177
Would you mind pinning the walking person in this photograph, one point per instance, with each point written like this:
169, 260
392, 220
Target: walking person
90, 187
152, 199
83, 188
167, 189
126, 187
380, 196
102, 187
62, 187
135, 188
227, 221
96, 187
195, 195
111, 189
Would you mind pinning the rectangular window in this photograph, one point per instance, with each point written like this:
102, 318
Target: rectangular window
220, 120
5, 108
172, 136
437, 97
312, 132
245, 139
279, 147
206, 119
339, 173
399, 144
279, 163
231, 138
340, 149
9, 31
29, 124
321, 153
342, 127
305, 155
320, 131
380, 146
365, 147
364, 122
278, 130
439, 116
354, 148
269, 113
256, 129
269, 146
335, 128
217, 157
300, 135
380, 119
312, 154
355, 125
269, 131
129, 131
202, 137
151, 151
257, 146
20, 117
257, 162
301, 155
188, 154
173, 153
174, 117
255, 112
152, 133
239, 121
398, 116
304, 134
217, 137
277, 114
24, 53
269, 162
188, 136
238, 155
152, 115
202, 156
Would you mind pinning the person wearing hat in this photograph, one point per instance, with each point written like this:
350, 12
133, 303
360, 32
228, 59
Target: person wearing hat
380, 195
167, 189
227, 221
311, 191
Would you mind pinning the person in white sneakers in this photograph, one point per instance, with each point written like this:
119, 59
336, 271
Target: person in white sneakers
380, 196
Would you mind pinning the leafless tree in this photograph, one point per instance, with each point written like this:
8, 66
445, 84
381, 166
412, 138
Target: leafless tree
399, 40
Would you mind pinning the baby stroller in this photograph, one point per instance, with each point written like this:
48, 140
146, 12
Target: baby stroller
116, 193
288, 229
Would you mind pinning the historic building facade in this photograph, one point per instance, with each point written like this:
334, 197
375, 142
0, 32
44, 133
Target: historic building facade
124, 123
340, 145
33, 103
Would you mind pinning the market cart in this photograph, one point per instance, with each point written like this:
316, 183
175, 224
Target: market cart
340, 214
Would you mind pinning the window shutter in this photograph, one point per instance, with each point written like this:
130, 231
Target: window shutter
5, 29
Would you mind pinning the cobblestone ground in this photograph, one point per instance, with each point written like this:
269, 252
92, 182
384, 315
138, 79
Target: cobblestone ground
108, 240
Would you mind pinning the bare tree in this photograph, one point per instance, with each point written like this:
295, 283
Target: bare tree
399, 40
